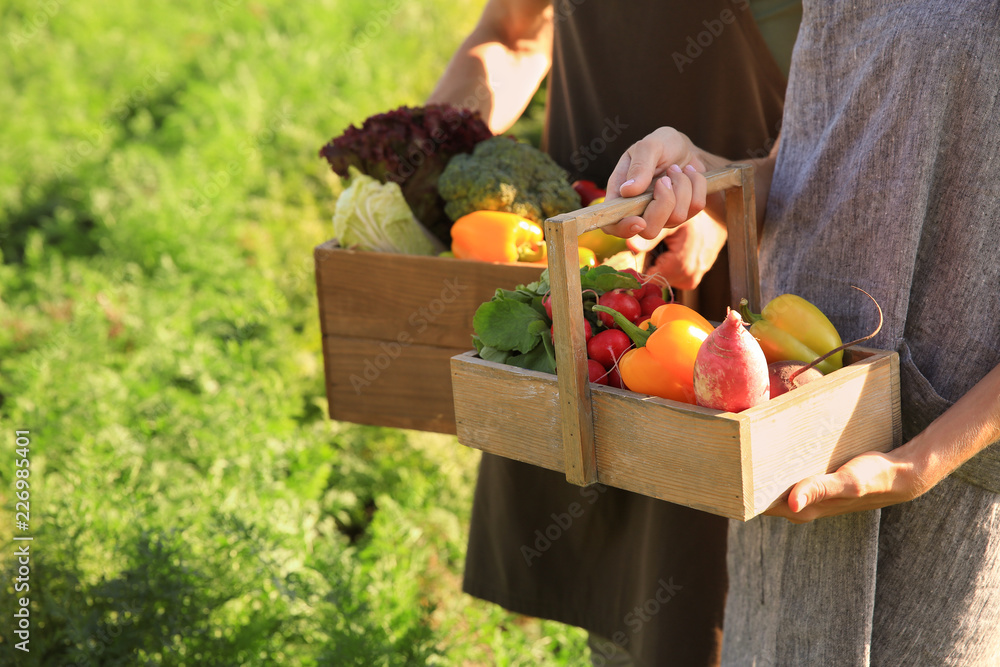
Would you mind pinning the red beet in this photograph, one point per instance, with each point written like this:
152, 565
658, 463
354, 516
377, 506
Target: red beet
781, 376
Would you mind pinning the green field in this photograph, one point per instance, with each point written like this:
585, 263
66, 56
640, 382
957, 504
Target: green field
190, 503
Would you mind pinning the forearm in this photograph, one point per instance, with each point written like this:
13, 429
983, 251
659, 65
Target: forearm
964, 430
501, 63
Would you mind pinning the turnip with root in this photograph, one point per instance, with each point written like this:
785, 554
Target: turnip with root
730, 371
787, 375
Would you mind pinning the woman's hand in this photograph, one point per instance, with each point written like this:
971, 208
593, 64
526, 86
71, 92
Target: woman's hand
676, 165
866, 482
874, 480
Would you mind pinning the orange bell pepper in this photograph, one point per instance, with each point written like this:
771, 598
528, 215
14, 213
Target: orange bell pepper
497, 236
662, 363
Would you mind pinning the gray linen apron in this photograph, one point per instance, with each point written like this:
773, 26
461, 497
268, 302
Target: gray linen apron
887, 178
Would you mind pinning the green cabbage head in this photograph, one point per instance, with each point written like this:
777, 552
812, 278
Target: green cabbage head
374, 216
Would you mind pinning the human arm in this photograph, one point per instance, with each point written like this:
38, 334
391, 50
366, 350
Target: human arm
501, 63
874, 480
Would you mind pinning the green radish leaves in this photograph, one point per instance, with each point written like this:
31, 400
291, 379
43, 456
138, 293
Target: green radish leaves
509, 324
513, 327
604, 278
541, 358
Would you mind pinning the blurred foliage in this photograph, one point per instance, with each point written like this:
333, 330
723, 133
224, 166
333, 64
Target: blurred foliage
160, 196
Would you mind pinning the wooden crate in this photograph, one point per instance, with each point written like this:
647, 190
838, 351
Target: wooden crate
733, 465
390, 325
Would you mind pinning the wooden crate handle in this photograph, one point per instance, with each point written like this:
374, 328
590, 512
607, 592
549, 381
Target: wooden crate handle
561, 235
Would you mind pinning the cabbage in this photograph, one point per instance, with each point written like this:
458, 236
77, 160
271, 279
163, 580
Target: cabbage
374, 216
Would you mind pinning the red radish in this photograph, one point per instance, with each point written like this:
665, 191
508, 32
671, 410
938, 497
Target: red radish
645, 286
787, 375
598, 373
607, 346
652, 284
547, 304
615, 378
625, 304
651, 302
647, 289
730, 371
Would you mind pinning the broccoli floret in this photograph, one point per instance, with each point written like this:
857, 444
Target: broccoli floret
502, 174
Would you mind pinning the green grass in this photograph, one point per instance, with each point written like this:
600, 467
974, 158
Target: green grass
160, 196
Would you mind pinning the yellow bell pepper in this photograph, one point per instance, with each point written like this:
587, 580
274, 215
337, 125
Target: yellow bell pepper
497, 236
792, 329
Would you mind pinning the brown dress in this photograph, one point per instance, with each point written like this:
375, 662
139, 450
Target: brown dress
648, 575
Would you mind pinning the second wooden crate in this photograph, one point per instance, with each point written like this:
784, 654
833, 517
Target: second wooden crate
391, 323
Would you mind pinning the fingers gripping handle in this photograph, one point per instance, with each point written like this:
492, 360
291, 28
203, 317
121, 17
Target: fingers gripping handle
561, 232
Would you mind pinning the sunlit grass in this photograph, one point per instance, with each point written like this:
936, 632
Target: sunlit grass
160, 196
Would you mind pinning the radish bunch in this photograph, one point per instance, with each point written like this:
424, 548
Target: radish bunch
636, 305
608, 343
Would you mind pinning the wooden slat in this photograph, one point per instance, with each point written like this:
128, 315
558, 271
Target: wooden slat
367, 384
507, 411
741, 208
577, 423
423, 300
666, 450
